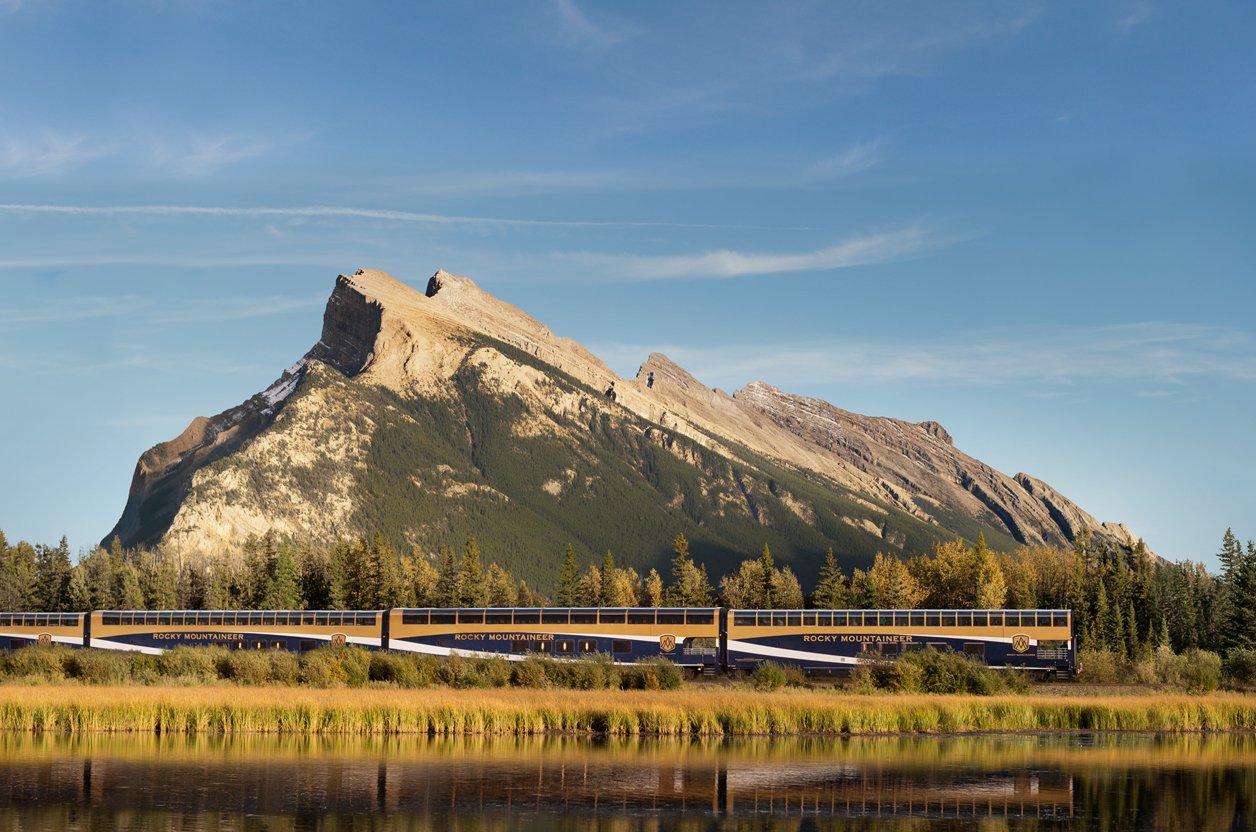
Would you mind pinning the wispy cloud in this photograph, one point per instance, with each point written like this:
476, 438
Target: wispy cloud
1142, 353
48, 153
860, 157
215, 310
332, 212
582, 30
856, 251
199, 155
65, 310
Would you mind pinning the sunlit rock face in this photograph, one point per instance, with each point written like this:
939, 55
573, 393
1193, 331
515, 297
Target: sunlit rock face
435, 415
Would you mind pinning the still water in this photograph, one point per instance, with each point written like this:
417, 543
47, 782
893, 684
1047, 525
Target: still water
1000, 782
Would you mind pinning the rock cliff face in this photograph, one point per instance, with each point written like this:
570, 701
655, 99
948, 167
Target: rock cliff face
428, 415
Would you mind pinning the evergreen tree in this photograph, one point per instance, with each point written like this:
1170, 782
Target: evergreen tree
449, 576
568, 579
1099, 623
767, 570
52, 566
424, 580
652, 589
129, 591
340, 588
473, 592
832, 592
79, 593
607, 597
502, 591
19, 578
990, 587
283, 587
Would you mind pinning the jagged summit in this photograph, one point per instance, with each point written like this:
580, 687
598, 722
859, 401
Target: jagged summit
429, 414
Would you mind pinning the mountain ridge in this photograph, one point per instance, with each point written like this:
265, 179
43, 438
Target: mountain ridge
452, 354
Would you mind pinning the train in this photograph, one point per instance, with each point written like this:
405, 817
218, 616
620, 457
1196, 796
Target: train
705, 640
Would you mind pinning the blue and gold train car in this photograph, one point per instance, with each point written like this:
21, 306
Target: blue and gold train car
293, 630
687, 636
826, 640
23, 629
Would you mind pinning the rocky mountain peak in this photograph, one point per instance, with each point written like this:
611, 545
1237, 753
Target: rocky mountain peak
900, 481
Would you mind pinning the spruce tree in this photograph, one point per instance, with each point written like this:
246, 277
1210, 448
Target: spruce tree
473, 592
832, 592
568, 579
767, 597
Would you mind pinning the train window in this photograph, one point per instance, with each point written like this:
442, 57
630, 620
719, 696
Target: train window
555, 616
306, 645
587, 645
519, 646
839, 618
443, 617
151, 619
948, 618
996, 618
744, 618
779, 618
885, 618
470, 616
794, 618
964, 618
414, 616
824, 619
901, 618
322, 617
938, 646
667, 616
4, 620
764, 618
163, 619
497, 616
699, 616
933, 618
868, 648
564, 645
41, 619
538, 646
528, 616
276, 645
257, 645
917, 618
641, 616
1011, 618
268, 619
584, 616
367, 619
1059, 618
976, 649
890, 650
621, 646
616, 616
214, 618
979, 619
808, 619
913, 647
1044, 618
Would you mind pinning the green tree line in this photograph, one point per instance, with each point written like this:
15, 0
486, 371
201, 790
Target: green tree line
1124, 600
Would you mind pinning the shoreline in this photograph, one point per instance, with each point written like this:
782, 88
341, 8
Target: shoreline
72, 709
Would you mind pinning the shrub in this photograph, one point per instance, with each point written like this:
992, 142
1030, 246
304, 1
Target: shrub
285, 668
596, 673
321, 668
1199, 671
101, 667
769, 676
529, 673
193, 663
45, 663
1101, 667
249, 667
904, 675
1239, 667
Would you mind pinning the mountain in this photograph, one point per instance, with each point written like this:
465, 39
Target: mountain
434, 416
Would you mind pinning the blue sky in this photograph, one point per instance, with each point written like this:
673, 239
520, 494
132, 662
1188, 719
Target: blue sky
1032, 222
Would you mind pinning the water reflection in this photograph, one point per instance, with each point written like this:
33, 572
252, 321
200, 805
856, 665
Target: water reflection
1012, 782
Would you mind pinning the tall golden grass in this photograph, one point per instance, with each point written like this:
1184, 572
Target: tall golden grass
699, 713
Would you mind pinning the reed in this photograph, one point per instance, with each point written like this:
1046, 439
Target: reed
72, 708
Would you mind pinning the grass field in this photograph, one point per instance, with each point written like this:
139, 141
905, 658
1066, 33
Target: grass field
709, 712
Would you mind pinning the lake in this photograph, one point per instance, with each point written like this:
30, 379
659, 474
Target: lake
140, 783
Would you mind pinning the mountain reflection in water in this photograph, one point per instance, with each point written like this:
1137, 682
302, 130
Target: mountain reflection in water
1014, 782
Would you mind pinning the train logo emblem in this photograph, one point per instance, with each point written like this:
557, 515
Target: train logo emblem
45, 639
667, 643
338, 639
1020, 642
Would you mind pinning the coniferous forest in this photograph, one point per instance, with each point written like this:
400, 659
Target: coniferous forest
1128, 605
